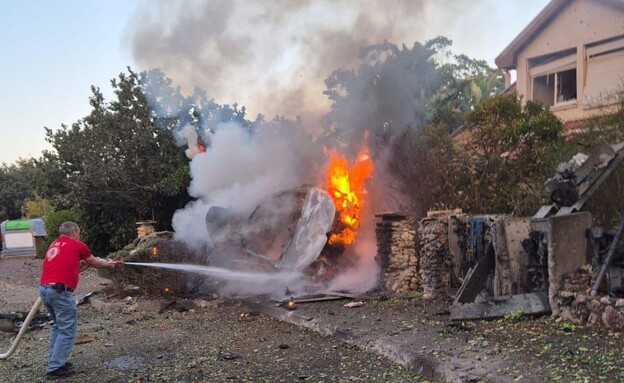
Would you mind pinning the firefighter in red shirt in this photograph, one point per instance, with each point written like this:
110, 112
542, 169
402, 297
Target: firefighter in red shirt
63, 261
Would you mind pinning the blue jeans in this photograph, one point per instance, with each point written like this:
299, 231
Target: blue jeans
64, 312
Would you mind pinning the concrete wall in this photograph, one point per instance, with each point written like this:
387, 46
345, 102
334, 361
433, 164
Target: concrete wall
567, 249
516, 230
580, 23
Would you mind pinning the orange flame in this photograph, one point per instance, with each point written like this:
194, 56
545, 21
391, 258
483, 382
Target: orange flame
346, 185
201, 147
154, 251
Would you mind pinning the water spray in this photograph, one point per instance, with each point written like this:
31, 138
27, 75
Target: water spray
222, 273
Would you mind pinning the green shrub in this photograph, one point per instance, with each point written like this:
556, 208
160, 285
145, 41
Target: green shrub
153, 282
53, 221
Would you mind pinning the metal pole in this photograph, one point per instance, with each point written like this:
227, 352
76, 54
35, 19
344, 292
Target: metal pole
605, 264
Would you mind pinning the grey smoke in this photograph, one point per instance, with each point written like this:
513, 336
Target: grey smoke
271, 55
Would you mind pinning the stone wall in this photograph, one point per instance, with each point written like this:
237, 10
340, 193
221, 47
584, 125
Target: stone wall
396, 253
573, 303
434, 256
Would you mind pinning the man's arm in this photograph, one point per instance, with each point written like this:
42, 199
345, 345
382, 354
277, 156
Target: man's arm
99, 263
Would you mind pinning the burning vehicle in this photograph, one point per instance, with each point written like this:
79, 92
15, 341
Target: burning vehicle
286, 231
303, 229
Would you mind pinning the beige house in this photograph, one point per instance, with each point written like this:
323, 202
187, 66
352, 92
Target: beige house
571, 56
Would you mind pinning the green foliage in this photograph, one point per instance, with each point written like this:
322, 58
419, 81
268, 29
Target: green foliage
514, 316
16, 182
174, 183
53, 220
112, 165
509, 150
156, 247
121, 163
498, 164
37, 207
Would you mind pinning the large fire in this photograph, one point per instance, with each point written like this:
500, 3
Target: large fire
346, 185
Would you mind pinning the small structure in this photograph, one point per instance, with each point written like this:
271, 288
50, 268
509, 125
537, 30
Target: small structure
145, 228
22, 238
397, 252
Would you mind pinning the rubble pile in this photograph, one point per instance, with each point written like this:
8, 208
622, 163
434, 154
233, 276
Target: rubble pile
577, 306
435, 260
396, 253
155, 282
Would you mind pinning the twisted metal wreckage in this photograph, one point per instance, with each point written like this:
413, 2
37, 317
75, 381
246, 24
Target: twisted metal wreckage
508, 264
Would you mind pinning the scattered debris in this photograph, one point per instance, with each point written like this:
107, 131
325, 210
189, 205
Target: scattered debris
6, 325
13, 322
82, 339
84, 297
225, 355
166, 306
498, 307
354, 304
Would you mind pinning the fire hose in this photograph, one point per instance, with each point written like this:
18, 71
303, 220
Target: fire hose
33, 311
31, 314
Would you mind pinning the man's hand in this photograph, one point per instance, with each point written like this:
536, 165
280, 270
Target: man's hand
100, 263
114, 262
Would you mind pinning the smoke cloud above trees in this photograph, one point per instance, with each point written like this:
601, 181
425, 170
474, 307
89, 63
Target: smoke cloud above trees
273, 56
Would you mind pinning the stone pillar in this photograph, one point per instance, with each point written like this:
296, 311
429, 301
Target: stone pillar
435, 262
397, 253
145, 228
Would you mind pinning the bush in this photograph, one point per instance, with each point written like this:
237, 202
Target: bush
154, 248
53, 221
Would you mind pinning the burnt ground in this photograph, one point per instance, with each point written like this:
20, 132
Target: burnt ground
216, 344
218, 341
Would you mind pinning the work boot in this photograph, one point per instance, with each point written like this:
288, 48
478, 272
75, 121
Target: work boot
69, 366
60, 373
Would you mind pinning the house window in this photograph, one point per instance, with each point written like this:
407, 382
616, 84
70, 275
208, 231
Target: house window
544, 89
553, 78
555, 88
565, 84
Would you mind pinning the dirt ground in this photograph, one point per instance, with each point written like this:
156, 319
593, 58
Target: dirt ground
231, 341
222, 342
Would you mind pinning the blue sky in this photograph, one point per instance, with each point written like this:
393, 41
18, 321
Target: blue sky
53, 51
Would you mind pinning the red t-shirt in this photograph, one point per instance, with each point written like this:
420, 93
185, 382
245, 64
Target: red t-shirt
62, 261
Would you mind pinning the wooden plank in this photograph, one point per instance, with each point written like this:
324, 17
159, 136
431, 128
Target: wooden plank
528, 304
476, 279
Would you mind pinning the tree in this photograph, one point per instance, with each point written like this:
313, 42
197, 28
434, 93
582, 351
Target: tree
17, 187
111, 164
121, 163
509, 150
37, 207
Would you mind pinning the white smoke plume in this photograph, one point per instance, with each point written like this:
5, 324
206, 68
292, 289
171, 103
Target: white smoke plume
237, 171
